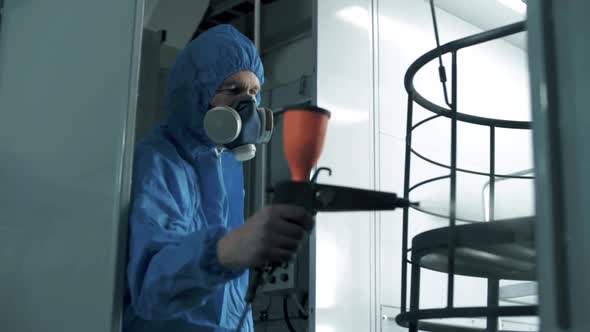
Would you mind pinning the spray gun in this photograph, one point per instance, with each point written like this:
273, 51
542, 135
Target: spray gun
304, 132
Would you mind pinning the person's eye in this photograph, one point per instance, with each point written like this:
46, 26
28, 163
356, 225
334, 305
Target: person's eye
229, 90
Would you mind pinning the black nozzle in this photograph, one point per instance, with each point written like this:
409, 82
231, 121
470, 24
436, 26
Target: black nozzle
405, 203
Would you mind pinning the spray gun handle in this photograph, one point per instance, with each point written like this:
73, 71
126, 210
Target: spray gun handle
293, 193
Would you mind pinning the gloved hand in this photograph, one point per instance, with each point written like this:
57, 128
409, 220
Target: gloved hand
273, 234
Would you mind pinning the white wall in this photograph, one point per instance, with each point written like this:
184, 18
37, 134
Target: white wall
68, 82
360, 79
344, 247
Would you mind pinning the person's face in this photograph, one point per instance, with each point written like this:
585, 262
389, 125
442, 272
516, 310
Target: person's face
244, 83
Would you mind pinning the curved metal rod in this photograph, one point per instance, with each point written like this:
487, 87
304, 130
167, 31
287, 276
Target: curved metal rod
424, 121
434, 214
467, 312
453, 47
429, 326
462, 170
428, 181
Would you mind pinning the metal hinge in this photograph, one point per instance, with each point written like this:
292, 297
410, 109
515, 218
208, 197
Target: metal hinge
302, 85
1, 12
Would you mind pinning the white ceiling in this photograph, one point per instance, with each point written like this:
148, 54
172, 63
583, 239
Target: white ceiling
485, 14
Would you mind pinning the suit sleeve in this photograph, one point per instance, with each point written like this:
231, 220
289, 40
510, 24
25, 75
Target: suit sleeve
172, 266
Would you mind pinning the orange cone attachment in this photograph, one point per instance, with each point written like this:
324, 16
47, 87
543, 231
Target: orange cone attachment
304, 132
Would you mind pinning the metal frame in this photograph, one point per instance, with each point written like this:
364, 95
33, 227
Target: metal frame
255, 170
453, 47
124, 170
412, 318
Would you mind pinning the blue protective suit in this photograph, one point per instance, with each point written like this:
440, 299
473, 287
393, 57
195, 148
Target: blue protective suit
186, 196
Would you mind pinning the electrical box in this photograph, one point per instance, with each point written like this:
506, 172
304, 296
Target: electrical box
289, 277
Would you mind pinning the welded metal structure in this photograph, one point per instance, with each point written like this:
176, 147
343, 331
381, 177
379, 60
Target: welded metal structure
498, 249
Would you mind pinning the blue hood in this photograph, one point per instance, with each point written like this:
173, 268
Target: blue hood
198, 72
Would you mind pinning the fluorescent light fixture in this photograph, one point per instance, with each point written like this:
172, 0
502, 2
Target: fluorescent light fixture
518, 6
356, 15
346, 116
403, 33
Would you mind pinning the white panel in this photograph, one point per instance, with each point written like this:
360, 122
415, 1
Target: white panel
68, 82
494, 73
388, 323
344, 269
493, 81
389, 235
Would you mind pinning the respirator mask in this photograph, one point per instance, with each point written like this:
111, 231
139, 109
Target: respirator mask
239, 127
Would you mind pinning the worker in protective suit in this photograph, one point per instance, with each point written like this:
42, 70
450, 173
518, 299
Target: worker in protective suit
189, 247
